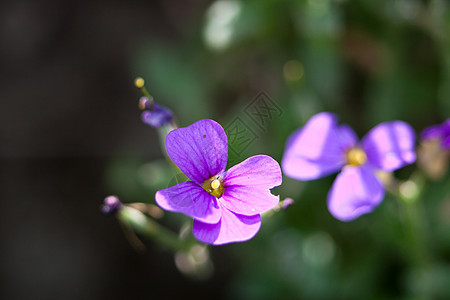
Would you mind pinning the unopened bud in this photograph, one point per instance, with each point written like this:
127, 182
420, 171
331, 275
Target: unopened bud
111, 205
286, 203
158, 116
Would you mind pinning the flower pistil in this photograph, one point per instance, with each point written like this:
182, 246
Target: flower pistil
356, 157
214, 186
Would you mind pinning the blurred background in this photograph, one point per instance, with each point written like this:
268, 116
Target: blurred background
71, 134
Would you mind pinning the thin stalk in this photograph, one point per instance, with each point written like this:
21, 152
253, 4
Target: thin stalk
144, 225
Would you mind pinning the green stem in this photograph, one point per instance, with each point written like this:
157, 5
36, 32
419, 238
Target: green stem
140, 84
163, 131
409, 194
144, 225
416, 228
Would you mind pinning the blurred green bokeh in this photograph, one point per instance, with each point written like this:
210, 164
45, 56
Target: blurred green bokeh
368, 61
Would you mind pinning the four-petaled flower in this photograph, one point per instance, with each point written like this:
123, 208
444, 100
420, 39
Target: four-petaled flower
225, 204
322, 147
440, 132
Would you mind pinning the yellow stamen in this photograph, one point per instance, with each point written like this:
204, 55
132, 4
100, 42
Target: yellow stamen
214, 186
139, 82
356, 157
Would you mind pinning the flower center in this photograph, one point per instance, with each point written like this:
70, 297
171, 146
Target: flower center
356, 157
214, 186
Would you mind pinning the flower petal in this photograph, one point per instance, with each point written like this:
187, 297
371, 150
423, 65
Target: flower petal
231, 228
247, 185
347, 138
390, 145
317, 149
248, 201
158, 116
199, 150
439, 132
432, 133
316, 137
446, 143
259, 170
356, 191
190, 199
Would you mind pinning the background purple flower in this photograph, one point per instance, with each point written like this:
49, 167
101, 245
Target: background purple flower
154, 114
111, 205
323, 147
225, 205
439, 132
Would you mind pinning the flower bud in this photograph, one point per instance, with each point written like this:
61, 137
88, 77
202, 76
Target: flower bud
111, 205
158, 116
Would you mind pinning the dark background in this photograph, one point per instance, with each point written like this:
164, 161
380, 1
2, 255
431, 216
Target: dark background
67, 105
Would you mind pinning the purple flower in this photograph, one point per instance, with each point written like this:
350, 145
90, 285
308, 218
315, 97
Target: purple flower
439, 132
154, 114
322, 147
111, 205
225, 205
286, 203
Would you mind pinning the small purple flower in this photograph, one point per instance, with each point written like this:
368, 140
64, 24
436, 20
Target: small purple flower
286, 203
322, 147
154, 114
439, 132
225, 204
111, 205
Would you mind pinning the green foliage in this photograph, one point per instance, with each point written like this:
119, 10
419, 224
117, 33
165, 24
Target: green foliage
368, 61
